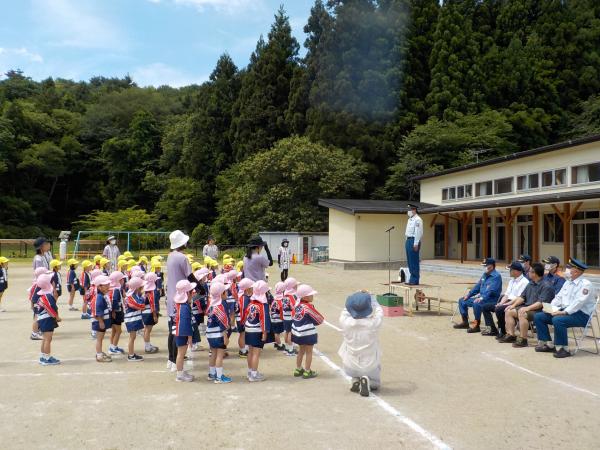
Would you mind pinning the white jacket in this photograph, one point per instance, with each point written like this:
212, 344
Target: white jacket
360, 348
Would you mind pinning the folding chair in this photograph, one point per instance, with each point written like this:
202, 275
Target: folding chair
456, 310
584, 331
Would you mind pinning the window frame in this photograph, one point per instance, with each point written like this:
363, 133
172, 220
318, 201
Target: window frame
554, 185
583, 183
512, 185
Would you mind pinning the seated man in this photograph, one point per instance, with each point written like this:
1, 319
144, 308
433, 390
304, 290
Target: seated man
524, 307
526, 261
486, 291
552, 276
572, 307
516, 286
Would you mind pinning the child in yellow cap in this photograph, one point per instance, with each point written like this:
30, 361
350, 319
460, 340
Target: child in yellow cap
73, 284
3, 278
85, 282
56, 278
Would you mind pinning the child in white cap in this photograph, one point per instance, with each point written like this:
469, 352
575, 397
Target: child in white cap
360, 322
304, 330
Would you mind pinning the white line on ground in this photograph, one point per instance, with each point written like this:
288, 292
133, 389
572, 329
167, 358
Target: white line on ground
332, 326
438, 443
539, 375
62, 374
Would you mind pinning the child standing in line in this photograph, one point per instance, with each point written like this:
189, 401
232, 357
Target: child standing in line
122, 267
304, 331
217, 332
105, 266
93, 293
73, 284
3, 278
47, 317
36, 334
134, 306
243, 300
56, 278
118, 315
160, 278
199, 306
101, 315
288, 304
143, 263
183, 326
276, 312
256, 325
85, 283
150, 313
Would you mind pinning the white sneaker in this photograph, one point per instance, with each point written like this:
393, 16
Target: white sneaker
197, 347
173, 367
258, 377
185, 377
169, 365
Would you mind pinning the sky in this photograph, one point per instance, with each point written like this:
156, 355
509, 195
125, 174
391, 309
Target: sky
156, 42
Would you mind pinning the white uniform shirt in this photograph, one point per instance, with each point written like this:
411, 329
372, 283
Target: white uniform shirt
360, 347
577, 295
284, 257
515, 287
414, 228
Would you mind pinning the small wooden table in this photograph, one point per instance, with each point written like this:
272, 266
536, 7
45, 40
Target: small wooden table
409, 291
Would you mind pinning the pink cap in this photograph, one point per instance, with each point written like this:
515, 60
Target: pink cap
290, 285
216, 290
182, 288
115, 279
279, 288
102, 280
40, 271
201, 273
150, 278
260, 290
245, 283
232, 275
304, 290
222, 278
134, 268
134, 284
138, 274
44, 282
95, 274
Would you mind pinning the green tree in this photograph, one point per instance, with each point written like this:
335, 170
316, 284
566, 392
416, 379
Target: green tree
183, 204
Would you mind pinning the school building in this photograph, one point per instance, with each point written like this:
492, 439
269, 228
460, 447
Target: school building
543, 201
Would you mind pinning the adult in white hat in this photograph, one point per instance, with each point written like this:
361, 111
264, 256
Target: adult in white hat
111, 251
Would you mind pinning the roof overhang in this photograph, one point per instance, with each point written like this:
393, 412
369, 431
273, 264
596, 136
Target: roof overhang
353, 206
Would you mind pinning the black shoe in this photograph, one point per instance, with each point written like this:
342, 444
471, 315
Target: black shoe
490, 332
520, 343
461, 326
355, 386
545, 349
365, 389
509, 338
474, 329
562, 353
500, 335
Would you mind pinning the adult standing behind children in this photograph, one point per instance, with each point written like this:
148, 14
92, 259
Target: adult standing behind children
255, 263
210, 249
111, 252
178, 268
43, 255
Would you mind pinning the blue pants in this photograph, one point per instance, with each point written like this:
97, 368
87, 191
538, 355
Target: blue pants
561, 323
412, 258
464, 305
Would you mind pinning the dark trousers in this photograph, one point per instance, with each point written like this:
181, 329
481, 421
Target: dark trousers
412, 259
284, 274
561, 325
490, 308
171, 342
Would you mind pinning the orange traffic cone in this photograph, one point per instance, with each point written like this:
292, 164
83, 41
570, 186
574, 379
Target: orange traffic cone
306, 261
294, 260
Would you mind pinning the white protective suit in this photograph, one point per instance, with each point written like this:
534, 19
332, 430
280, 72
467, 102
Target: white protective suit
360, 351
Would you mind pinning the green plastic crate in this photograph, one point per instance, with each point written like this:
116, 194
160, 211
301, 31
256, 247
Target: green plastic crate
390, 300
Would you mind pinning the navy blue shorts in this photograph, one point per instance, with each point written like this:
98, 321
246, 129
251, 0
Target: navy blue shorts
107, 325
148, 319
305, 340
254, 340
287, 326
136, 325
181, 341
240, 327
47, 325
70, 288
119, 318
277, 327
217, 343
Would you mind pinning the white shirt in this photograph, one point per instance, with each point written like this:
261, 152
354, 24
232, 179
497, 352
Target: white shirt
211, 251
414, 228
515, 287
112, 252
360, 348
284, 257
577, 295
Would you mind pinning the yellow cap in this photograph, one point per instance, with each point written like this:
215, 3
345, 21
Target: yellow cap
86, 263
155, 266
72, 262
121, 263
156, 258
214, 263
97, 258
121, 257
239, 266
130, 263
4, 260
128, 254
196, 266
228, 261
55, 263
226, 256
104, 261
143, 259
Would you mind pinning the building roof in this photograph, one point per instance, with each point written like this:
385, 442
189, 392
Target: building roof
352, 206
550, 197
295, 233
518, 155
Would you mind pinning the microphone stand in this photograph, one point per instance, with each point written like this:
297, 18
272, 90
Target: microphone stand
389, 232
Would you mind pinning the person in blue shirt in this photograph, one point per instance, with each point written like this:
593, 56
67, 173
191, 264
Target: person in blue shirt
551, 264
486, 291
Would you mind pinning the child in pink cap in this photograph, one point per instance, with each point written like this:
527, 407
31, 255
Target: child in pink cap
256, 325
150, 312
115, 295
47, 317
101, 315
92, 296
183, 326
85, 283
276, 312
288, 304
217, 332
199, 307
304, 331
243, 299
36, 335
134, 306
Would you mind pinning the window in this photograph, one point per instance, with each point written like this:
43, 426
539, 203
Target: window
524, 218
503, 186
525, 182
444, 194
483, 188
469, 232
587, 173
556, 177
553, 228
457, 192
451, 193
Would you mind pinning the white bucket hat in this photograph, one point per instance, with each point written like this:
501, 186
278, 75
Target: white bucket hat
178, 239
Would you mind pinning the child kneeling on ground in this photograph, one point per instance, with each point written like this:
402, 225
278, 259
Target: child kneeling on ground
361, 357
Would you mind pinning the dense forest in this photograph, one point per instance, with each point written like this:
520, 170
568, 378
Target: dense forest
385, 89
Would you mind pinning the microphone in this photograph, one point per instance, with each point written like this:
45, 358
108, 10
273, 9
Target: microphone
390, 229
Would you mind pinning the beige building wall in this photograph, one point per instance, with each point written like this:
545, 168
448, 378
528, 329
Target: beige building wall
342, 236
372, 240
431, 188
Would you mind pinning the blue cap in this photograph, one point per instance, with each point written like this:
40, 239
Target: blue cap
359, 305
516, 265
576, 263
524, 258
488, 261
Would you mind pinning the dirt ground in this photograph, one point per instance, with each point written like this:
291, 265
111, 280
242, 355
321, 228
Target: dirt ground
441, 388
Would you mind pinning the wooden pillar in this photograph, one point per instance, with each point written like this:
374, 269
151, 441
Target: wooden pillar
484, 235
535, 245
508, 229
446, 235
463, 247
566, 232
